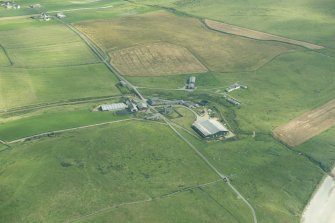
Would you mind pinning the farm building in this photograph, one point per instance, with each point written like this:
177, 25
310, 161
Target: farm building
35, 6
157, 101
10, 5
44, 16
142, 105
123, 83
60, 15
233, 101
210, 128
191, 83
131, 106
235, 86
113, 107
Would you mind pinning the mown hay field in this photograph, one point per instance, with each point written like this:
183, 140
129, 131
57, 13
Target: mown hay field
156, 59
307, 125
217, 51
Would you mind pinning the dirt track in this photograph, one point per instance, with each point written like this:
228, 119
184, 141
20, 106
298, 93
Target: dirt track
239, 31
307, 125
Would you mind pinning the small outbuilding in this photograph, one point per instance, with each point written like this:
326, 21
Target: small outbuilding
35, 6
142, 105
191, 83
60, 15
210, 128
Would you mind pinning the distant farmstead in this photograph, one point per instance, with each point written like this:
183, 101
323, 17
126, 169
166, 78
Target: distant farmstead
235, 86
10, 5
210, 128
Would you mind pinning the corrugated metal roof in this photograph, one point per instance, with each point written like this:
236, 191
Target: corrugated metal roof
113, 107
210, 127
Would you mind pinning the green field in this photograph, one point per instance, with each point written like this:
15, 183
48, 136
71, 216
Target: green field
4, 59
52, 122
321, 149
85, 171
21, 87
50, 63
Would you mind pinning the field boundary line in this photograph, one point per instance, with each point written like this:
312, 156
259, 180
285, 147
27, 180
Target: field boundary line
56, 104
269, 36
40, 135
6, 54
161, 197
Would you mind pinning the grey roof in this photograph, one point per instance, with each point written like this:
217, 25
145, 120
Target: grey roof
210, 127
113, 107
192, 79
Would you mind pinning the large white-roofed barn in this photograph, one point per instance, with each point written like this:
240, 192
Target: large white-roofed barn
210, 128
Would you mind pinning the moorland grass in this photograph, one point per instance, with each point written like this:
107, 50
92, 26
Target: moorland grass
81, 172
213, 203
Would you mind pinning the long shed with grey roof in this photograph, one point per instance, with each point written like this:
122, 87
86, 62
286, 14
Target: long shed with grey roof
113, 107
210, 128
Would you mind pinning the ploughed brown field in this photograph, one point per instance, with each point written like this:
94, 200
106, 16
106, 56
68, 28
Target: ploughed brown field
156, 59
239, 31
307, 125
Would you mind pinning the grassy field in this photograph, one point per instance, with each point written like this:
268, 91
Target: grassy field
47, 46
307, 20
219, 52
276, 181
52, 122
213, 203
321, 148
4, 60
52, 56
21, 87
82, 172
50, 63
